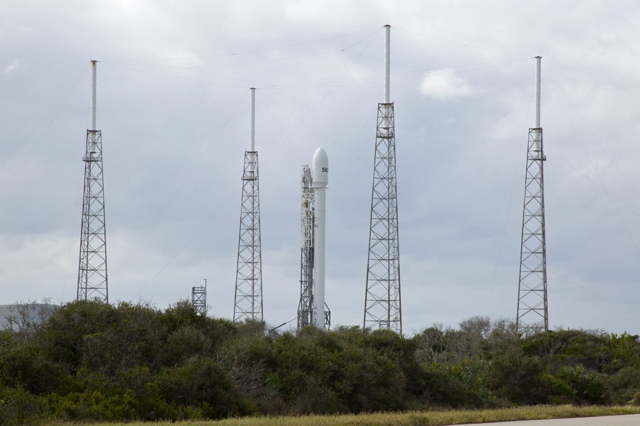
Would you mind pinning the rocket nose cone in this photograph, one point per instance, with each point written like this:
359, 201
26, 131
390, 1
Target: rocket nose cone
320, 168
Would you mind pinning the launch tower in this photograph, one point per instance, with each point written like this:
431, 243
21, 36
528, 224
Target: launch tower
305, 307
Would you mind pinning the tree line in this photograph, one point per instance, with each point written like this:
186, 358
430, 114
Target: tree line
92, 361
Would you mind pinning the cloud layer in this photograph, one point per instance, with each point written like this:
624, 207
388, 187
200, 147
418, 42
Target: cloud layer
173, 94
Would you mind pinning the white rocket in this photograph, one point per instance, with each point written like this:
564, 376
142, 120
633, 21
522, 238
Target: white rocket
320, 179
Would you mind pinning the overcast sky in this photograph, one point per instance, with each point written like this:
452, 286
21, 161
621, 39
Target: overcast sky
173, 103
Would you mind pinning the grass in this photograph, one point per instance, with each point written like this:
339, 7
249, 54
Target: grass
412, 418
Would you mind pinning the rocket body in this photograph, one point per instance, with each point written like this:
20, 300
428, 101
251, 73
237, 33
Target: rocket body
320, 179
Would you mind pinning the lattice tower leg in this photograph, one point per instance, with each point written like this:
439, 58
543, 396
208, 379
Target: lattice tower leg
248, 292
92, 269
533, 313
383, 308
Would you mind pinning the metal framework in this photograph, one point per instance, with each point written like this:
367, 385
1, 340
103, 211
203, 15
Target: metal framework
92, 270
383, 308
199, 299
533, 314
327, 317
305, 306
248, 294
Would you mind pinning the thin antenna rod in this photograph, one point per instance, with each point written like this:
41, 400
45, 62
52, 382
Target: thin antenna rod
387, 64
92, 112
538, 75
253, 119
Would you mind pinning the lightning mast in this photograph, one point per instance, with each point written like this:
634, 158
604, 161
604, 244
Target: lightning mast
532, 314
382, 306
248, 294
92, 269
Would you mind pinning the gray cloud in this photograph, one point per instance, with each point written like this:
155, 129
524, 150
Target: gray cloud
173, 85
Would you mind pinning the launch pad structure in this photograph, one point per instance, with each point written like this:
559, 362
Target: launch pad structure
383, 301
312, 308
305, 306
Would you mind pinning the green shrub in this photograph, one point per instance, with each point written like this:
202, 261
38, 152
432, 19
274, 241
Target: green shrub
19, 407
518, 378
623, 385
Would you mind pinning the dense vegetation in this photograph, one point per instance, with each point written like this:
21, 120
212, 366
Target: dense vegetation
93, 361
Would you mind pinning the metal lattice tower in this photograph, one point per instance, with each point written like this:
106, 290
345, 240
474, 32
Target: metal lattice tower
305, 306
199, 298
248, 293
92, 269
533, 313
383, 307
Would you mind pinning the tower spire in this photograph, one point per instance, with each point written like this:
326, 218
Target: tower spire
92, 269
533, 314
248, 293
382, 306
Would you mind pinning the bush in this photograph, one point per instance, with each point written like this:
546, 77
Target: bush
623, 385
518, 378
574, 385
19, 407
97, 362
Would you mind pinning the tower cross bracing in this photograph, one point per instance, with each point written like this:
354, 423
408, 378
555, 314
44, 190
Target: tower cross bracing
248, 292
533, 313
92, 269
383, 307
